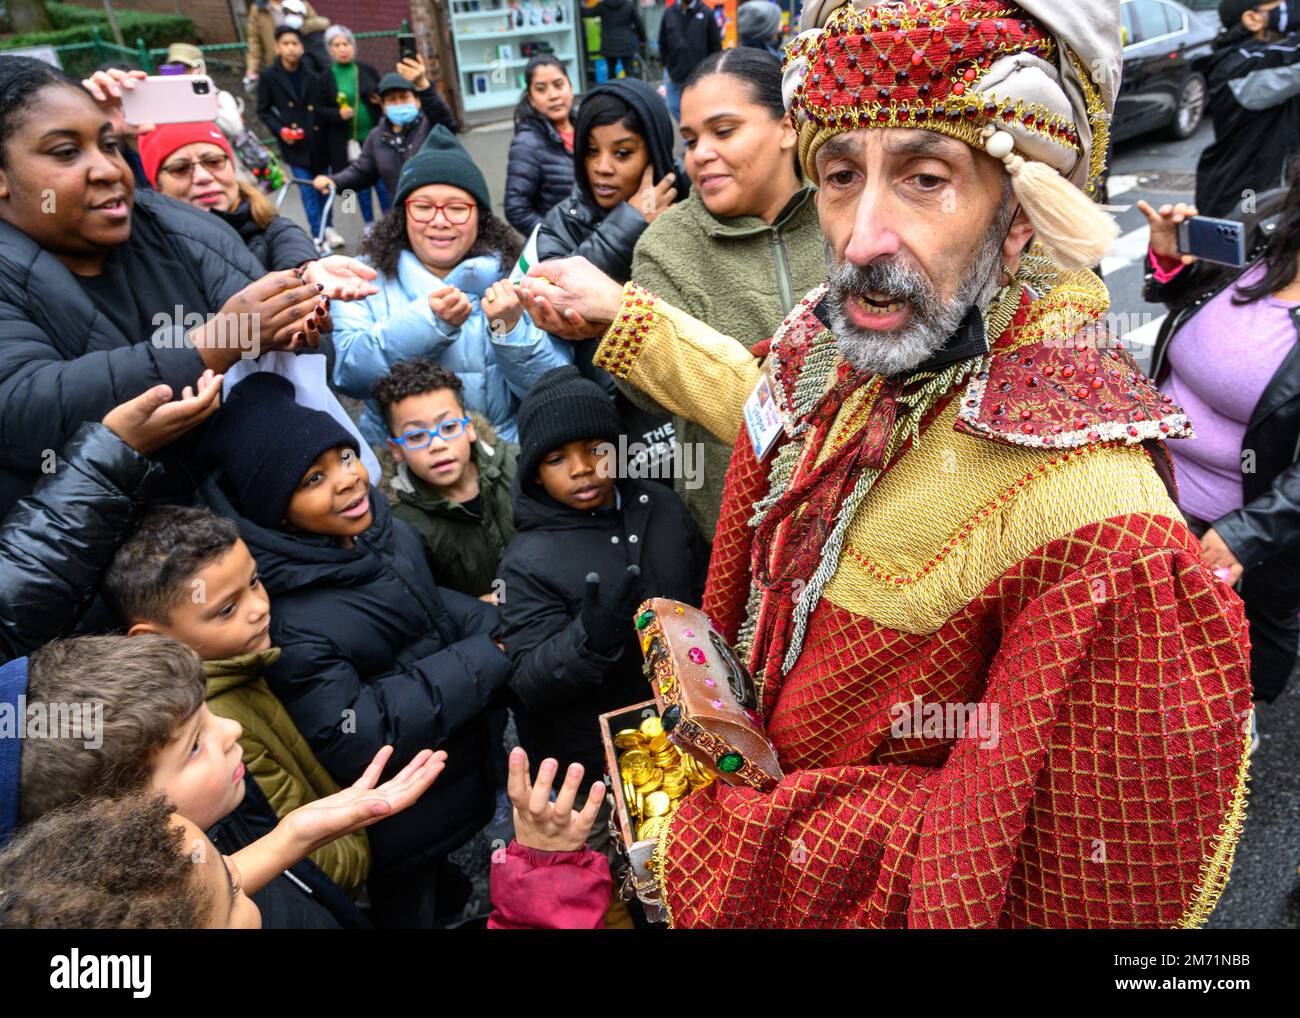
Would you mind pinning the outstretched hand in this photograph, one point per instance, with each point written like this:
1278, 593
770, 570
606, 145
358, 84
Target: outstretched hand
570, 298
153, 419
320, 822
344, 278
545, 825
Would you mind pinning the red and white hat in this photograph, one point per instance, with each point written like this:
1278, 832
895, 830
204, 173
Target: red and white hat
1031, 83
158, 145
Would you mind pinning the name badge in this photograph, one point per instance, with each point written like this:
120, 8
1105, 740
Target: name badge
762, 420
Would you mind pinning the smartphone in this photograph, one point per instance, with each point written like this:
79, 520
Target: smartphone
178, 99
406, 46
1214, 240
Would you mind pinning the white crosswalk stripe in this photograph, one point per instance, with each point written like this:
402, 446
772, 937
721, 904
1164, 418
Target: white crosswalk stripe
1121, 183
1129, 248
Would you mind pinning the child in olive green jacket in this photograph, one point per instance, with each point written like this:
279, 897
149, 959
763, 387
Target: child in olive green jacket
185, 573
451, 486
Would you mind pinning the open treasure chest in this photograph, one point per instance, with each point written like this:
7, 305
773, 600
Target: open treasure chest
702, 726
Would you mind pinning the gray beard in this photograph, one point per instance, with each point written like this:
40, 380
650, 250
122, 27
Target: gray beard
932, 321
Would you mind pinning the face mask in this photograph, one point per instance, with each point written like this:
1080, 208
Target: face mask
402, 114
293, 20
1278, 20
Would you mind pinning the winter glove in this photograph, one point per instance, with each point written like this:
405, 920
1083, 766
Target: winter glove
608, 620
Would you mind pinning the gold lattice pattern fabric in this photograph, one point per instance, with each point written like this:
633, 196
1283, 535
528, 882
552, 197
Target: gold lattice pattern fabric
1097, 778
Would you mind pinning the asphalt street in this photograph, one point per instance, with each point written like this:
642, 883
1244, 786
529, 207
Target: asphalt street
1264, 890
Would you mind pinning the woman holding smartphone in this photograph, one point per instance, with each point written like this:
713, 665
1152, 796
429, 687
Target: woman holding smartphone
93, 272
1229, 354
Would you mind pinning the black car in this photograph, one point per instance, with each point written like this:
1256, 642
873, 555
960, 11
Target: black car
1160, 89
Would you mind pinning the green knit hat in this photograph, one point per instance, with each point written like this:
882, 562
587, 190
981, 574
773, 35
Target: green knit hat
442, 160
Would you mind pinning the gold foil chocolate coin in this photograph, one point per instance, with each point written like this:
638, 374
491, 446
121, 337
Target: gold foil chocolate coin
657, 804
653, 782
634, 760
629, 738
651, 829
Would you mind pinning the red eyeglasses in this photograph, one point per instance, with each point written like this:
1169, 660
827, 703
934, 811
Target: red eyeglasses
456, 212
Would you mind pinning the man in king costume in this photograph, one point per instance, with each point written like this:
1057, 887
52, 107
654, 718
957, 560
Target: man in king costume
968, 507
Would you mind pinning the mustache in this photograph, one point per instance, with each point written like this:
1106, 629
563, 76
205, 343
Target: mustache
894, 277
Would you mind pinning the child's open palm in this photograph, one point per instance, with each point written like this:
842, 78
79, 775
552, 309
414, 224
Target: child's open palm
450, 304
320, 822
542, 824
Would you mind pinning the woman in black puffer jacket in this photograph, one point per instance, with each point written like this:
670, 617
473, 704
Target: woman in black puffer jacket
539, 172
77, 344
624, 177
623, 144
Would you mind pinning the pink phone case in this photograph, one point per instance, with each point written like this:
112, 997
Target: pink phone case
170, 99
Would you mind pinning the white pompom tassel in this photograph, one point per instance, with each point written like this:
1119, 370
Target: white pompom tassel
1073, 230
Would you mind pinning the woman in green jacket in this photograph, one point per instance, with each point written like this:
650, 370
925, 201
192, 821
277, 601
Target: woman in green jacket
745, 246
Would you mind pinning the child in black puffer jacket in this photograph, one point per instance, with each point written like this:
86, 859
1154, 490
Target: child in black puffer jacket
588, 548
373, 653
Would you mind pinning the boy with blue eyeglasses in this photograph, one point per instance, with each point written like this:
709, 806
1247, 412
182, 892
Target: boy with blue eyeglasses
454, 490
452, 487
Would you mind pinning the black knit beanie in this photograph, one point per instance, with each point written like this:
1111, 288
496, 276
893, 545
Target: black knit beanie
443, 160
263, 442
561, 408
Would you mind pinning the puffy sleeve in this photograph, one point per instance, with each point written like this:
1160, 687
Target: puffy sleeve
682, 364
536, 890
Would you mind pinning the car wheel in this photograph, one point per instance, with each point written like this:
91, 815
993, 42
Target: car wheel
1191, 108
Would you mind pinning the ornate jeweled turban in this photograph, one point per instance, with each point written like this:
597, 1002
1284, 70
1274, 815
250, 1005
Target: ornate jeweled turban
1032, 84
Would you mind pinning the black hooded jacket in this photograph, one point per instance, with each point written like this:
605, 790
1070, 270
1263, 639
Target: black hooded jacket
64, 362
579, 226
1255, 106
372, 654
561, 683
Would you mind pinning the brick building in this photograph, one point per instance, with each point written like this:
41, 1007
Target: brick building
222, 21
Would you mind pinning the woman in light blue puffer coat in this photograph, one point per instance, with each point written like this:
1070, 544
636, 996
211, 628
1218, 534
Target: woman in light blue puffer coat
442, 258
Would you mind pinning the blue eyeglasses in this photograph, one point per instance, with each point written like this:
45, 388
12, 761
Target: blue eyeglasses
452, 427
